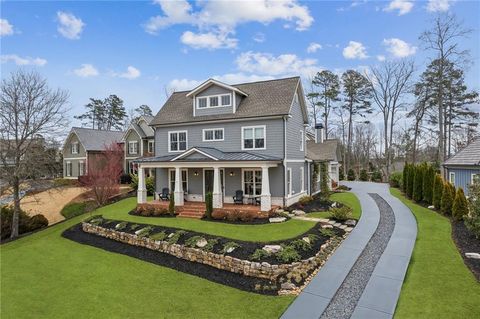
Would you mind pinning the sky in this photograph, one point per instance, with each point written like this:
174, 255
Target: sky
143, 50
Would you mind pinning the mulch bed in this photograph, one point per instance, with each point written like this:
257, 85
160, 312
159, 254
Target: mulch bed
246, 248
223, 277
467, 243
134, 212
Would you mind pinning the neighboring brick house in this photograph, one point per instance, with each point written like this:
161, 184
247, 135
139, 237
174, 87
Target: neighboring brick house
139, 141
222, 138
463, 168
83, 145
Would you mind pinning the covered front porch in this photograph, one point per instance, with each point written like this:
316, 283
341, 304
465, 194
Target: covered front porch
195, 173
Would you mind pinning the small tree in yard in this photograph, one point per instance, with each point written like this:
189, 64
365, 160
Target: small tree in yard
209, 205
324, 178
448, 196
428, 181
405, 177
29, 112
171, 204
103, 176
437, 191
418, 183
460, 205
472, 220
363, 175
411, 179
351, 175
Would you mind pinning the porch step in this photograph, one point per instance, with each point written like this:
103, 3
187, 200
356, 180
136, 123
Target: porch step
191, 213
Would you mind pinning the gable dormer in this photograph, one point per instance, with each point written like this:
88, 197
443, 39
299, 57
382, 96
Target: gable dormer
214, 97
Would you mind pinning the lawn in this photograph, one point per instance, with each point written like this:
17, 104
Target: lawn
345, 198
438, 284
47, 276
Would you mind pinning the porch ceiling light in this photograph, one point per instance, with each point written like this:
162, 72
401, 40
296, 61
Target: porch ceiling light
232, 173
195, 173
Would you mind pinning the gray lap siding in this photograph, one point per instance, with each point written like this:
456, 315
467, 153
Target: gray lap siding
463, 176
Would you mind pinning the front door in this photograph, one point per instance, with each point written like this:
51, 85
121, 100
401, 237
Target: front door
208, 181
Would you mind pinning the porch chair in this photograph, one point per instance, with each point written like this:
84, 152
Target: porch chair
238, 198
165, 194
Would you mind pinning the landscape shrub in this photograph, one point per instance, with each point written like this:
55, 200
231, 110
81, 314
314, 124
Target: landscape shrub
235, 215
363, 175
428, 181
125, 179
411, 178
341, 213
288, 254
418, 183
472, 220
305, 199
301, 244
171, 204
376, 176
73, 209
176, 236
406, 167
351, 175
448, 196
313, 238
396, 180
151, 211
25, 222
149, 183
327, 232
437, 191
259, 254
121, 226
158, 236
210, 244
324, 181
334, 185
341, 174
230, 245
460, 205
209, 205
134, 226
192, 241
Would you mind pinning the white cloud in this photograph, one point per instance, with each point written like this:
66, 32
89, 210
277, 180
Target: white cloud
222, 17
131, 73
355, 50
268, 64
229, 78
399, 48
86, 70
313, 47
209, 40
438, 5
5, 28
403, 6
353, 4
69, 25
22, 60
259, 37
381, 58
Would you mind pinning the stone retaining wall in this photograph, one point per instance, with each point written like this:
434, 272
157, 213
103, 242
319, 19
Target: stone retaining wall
235, 265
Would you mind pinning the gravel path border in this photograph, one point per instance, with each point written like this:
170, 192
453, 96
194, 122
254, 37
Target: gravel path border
347, 296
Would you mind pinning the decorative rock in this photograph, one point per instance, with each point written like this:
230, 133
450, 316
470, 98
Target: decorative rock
288, 286
334, 204
472, 255
298, 212
171, 235
328, 226
272, 249
277, 219
431, 207
230, 249
332, 222
279, 211
350, 222
306, 239
343, 227
337, 224
348, 229
201, 243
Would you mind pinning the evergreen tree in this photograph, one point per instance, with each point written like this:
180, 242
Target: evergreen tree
428, 181
351, 175
460, 205
418, 183
329, 89
437, 191
106, 114
411, 178
143, 110
448, 196
363, 175
405, 177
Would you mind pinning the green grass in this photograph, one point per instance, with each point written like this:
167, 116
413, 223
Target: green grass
47, 276
346, 198
265, 232
73, 209
437, 284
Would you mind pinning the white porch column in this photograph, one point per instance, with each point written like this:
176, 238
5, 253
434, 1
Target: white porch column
142, 189
266, 197
217, 189
178, 193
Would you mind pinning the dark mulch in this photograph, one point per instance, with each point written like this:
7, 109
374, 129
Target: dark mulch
256, 221
316, 205
135, 213
246, 248
223, 277
467, 243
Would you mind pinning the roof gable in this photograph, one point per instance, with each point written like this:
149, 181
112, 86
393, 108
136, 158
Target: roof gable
96, 140
211, 82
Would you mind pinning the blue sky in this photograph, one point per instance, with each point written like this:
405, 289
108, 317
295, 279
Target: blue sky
141, 50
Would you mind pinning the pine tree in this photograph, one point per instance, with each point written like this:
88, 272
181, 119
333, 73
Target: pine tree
448, 196
460, 205
418, 183
106, 114
428, 181
437, 191
329, 89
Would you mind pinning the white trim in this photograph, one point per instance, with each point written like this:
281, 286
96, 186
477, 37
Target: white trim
210, 82
234, 102
243, 180
302, 178
81, 172
450, 174
136, 149
220, 164
203, 181
190, 151
74, 158
153, 146
67, 173
243, 119
131, 127
76, 148
295, 161
213, 129
302, 140
289, 186
170, 181
264, 137
178, 141
208, 97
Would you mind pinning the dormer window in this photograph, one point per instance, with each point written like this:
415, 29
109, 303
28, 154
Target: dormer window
74, 148
213, 101
202, 102
220, 100
226, 100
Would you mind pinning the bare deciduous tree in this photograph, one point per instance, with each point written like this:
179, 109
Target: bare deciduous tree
29, 110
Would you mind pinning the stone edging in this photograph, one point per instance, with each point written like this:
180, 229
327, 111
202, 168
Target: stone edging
245, 267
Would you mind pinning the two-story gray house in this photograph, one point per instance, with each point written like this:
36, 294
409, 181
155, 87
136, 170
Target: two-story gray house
223, 138
139, 141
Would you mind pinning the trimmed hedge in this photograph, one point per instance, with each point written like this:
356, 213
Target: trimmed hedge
438, 186
460, 205
448, 196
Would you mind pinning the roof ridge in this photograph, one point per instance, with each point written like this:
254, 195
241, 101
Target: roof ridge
93, 129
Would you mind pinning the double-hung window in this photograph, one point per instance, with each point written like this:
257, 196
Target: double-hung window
226, 100
451, 178
81, 168
214, 134
177, 141
202, 102
252, 182
475, 178
253, 137
151, 146
132, 147
184, 180
74, 148
68, 168
213, 101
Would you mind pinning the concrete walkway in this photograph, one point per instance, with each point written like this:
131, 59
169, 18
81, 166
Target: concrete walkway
380, 295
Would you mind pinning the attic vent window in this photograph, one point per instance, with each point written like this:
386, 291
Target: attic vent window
220, 100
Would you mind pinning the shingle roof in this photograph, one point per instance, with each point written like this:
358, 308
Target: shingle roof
265, 98
326, 151
96, 140
213, 152
470, 155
